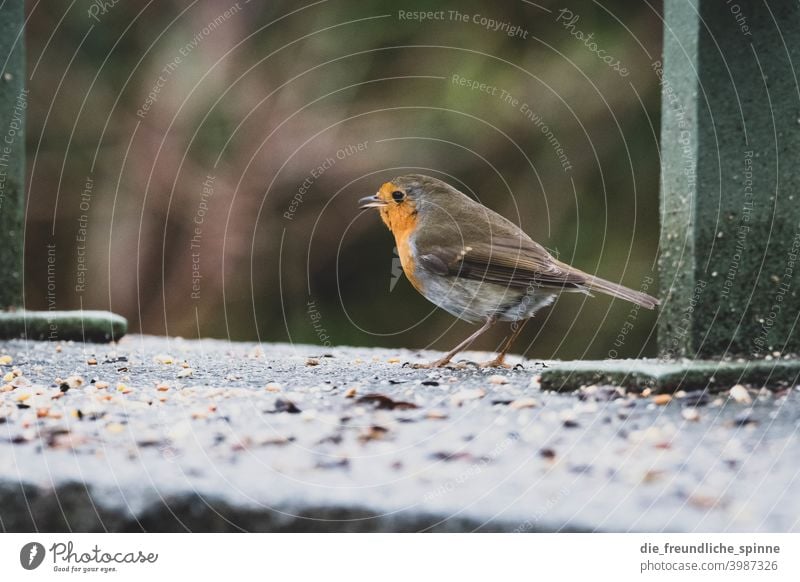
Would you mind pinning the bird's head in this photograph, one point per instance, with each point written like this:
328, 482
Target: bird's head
400, 200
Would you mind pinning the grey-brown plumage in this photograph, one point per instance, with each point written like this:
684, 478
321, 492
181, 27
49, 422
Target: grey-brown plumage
490, 248
474, 263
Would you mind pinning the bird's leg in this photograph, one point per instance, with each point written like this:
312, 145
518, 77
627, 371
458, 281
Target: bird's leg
499, 360
490, 321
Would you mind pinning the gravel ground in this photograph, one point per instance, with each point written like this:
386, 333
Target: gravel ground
172, 435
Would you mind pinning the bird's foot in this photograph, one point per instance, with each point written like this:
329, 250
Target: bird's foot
427, 365
442, 363
498, 362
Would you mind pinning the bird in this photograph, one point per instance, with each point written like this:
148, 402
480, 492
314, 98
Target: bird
474, 263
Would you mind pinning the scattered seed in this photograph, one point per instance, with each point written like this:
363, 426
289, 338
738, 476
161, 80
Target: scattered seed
436, 415
101, 385
9, 377
393, 360
5, 360
690, 414
91, 362
498, 379
185, 373
703, 501
382, 402
524, 403
465, 395
273, 387
695, 398
373, 433
312, 362
548, 454
165, 359
350, 393
74, 381
744, 419
652, 476
662, 399
282, 405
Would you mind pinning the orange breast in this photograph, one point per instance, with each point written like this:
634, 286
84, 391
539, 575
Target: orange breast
402, 221
407, 259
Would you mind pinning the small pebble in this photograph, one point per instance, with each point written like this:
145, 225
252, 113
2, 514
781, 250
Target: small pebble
5, 360
740, 394
312, 362
498, 379
272, 387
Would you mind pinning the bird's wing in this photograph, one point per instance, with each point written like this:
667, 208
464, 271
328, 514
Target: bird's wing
508, 261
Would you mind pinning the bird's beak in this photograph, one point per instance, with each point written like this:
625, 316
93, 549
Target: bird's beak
371, 202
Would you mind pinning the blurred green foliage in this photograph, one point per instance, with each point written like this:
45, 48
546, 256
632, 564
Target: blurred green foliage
260, 98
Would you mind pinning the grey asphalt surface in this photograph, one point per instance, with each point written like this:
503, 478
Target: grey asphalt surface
218, 436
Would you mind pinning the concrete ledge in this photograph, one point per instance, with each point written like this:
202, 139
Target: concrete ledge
158, 434
660, 376
90, 326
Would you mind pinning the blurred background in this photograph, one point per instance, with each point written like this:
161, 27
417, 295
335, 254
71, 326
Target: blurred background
195, 166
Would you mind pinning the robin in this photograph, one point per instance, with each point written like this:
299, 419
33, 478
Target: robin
475, 264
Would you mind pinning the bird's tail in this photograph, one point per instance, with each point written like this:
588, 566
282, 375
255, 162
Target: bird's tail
620, 291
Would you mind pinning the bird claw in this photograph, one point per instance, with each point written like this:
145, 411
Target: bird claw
427, 365
496, 363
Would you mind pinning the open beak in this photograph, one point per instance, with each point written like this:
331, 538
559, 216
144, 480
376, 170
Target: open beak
371, 202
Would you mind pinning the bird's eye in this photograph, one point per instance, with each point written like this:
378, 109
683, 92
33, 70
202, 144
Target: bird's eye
398, 196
